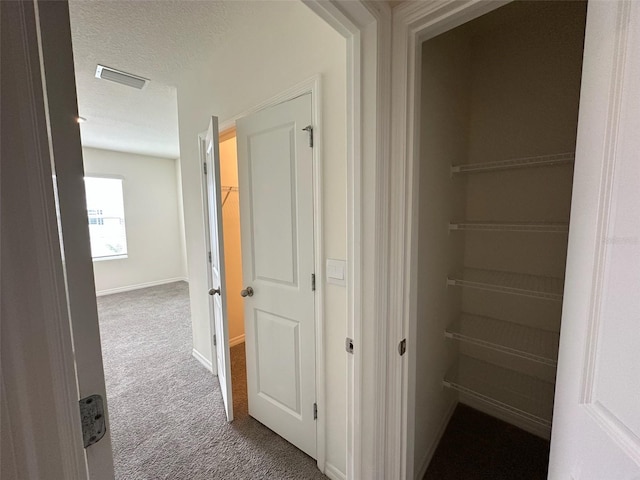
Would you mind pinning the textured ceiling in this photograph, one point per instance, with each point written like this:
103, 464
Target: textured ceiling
158, 40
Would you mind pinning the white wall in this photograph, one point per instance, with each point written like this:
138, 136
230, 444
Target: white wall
279, 45
152, 218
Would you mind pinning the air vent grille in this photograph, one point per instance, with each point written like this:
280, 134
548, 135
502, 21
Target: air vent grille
124, 78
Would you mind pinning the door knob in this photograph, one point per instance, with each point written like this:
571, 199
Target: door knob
247, 292
214, 291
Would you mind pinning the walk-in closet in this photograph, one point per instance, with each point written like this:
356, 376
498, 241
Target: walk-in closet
498, 120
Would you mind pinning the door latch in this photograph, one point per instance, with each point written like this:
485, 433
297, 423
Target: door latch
348, 345
402, 346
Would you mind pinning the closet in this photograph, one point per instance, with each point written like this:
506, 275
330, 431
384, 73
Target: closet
498, 120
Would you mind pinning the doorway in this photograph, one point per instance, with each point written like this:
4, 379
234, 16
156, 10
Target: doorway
498, 123
233, 268
276, 289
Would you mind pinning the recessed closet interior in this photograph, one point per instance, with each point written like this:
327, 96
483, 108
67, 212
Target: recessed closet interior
498, 119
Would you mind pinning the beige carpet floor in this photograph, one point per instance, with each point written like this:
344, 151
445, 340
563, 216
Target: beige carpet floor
166, 412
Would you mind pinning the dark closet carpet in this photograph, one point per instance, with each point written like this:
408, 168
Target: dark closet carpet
166, 411
476, 446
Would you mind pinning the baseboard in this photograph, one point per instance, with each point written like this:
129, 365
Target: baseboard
333, 473
426, 460
236, 340
129, 288
201, 358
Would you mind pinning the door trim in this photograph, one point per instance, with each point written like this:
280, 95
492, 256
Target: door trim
413, 23
366, 26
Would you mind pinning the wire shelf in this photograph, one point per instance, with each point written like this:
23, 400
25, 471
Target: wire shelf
526, 342
547, 288
524, 162
540, 227
519, 394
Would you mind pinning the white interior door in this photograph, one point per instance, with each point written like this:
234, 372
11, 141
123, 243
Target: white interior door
217, 289
596, 427
275, 163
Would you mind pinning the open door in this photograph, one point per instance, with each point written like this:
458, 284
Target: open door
596, 425
218, 289
275, 175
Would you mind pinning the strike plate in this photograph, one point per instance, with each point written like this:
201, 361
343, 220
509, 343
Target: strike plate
93, 423
348, 345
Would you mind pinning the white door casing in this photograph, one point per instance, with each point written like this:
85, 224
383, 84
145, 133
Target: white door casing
275, 174
217, 292
596, 424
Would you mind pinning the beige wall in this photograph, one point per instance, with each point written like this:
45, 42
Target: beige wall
153, 220
445, 111
231, 233
282, 44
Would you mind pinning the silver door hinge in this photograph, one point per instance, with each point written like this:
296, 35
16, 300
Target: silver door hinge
402, 346
348, 345
214, 340
313, 282
315, 411
309, 129
209, 257
205, 168
92, 418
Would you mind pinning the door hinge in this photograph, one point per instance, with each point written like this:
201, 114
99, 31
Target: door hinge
348, 345
209, 257
313, 282
205, 168
92, 418
402, 346
214, 340
309, 129
315, 411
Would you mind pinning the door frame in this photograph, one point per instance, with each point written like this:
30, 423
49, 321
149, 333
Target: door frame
413, 23
310, 86
366, 27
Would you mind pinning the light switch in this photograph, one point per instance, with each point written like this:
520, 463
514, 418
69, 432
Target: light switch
336, 271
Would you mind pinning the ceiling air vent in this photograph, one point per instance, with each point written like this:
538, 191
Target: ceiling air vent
124, 78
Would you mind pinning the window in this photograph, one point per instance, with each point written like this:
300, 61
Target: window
105, 208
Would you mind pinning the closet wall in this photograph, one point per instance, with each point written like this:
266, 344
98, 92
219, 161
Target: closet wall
445, 113
493, 236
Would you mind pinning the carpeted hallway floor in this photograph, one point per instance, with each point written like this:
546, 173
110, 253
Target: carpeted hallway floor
166, 411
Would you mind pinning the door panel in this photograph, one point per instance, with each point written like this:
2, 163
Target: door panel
218, 289
273, 219
596, 429
275, 164
278, 347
